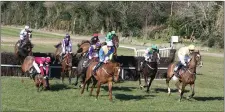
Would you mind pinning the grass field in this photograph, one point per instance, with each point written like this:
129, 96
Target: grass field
14, 32
18, 96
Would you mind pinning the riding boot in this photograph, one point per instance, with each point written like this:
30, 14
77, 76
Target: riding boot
96, 68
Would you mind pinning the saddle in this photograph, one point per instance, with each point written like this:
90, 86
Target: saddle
181, 71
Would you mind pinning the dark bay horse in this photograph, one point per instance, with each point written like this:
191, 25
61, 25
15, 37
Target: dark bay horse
107, 73
83, 65
27, 67
149, 69
22, 53
187, 75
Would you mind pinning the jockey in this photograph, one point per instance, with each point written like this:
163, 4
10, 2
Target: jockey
43, 64
105, 54
23, 34
148, 53
108, 37
183, 55
93, 51
66, 46
94, 39
113, 33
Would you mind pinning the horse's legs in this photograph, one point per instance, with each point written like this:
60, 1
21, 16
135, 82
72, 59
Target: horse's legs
93, 85
62, 76
182, 91
140, 81
110, 90
98, 89
77, 80
69, 74
167, 83
192, 90
177, 84
85, 82
149, 84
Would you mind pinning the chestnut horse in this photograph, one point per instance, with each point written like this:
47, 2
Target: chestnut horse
150, 68
66, 67
83, 47
22, 53
107, 73
187, 74
27, 67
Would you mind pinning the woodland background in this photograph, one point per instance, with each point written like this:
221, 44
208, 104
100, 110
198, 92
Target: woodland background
143, 20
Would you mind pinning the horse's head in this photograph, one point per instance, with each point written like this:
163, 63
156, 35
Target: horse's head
115, 40
195, 59
116, 71
199, 59
29, 35
155, 57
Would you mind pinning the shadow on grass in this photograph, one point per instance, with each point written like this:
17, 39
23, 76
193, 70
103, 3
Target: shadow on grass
199, 74
157, 90
58, 87
131, 97
119, 88
208, 98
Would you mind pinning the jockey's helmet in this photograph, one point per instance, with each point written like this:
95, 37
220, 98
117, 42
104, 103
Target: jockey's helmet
113, 32
109, 43
191, 47
154, 46
48, 59
68, 36
109, 34
27, 27
95, 35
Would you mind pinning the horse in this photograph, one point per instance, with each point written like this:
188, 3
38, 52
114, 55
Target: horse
150, 68
57, 52
28, 68
187, 75
107, 73
66, 67
22, 53
83, 47
82, 66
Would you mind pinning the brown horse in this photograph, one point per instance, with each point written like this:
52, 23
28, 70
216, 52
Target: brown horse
107, 73
83, 47
28, 68
57, 52
149, 68
187, 75
22, 53
66, 67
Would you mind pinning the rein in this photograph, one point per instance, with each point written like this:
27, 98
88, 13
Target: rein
150, 67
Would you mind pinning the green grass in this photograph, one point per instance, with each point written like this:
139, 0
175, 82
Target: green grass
18, 96
14, 32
